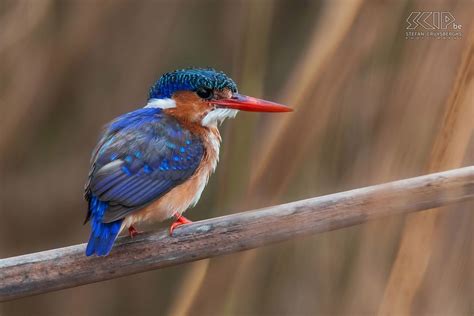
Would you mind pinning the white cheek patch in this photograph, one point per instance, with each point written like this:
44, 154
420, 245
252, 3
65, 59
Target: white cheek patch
161, 103
217, 116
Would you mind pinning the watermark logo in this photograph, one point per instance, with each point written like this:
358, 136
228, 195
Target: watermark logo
432, 25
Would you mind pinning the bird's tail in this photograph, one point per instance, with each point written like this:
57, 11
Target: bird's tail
102, 235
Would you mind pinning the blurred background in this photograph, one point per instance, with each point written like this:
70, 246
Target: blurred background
371, 106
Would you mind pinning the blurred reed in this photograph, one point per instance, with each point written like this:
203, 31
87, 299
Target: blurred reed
298, 89
420, 231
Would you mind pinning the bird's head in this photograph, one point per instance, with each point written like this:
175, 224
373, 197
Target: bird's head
204, 96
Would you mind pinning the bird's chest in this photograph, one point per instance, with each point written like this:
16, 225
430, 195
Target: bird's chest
187, 194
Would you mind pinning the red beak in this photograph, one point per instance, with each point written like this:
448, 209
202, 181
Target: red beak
245, 103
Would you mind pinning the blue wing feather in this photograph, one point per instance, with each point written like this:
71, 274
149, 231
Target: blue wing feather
141, 156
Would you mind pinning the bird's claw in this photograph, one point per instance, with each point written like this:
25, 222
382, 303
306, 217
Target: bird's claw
132, 232
180, 220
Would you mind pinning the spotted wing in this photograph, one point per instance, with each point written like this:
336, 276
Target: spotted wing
141, 156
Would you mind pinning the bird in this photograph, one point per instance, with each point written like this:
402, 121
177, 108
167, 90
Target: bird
153, 163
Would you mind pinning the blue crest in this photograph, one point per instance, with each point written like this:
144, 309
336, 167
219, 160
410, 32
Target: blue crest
190, 79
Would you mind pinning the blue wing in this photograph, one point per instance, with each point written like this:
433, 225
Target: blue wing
141, 156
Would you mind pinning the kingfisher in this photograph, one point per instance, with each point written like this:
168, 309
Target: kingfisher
153, 163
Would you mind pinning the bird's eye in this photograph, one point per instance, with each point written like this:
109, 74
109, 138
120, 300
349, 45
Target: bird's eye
206, 94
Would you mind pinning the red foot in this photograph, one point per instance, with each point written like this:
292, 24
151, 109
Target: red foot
132, 232
180, 220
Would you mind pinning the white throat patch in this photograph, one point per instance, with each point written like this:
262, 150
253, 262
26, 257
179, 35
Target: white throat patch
217, 116
161, 103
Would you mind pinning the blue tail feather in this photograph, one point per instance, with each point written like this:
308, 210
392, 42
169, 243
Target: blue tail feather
102, 235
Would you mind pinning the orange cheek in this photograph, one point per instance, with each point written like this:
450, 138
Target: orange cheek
189, 106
